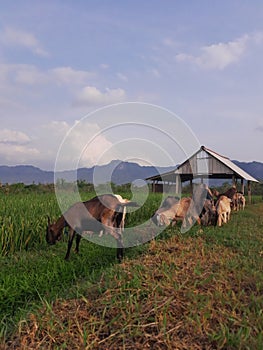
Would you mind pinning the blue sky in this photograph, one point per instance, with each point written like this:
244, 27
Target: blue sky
60, 60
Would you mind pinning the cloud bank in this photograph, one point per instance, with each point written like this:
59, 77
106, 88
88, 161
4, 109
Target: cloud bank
19, 38
221, 55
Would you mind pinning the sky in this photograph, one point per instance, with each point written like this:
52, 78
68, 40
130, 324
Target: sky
62, 63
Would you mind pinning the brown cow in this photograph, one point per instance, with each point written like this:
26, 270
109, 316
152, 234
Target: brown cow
230, 193
102, 213
241, 201
174, 209
208, 215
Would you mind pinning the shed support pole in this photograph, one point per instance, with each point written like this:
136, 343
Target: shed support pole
242, 186
178, 184
249, 191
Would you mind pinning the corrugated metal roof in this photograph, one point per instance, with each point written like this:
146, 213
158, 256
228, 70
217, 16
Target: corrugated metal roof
226, 161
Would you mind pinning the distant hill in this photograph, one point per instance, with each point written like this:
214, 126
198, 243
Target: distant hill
253, 168
27, 174
116, 171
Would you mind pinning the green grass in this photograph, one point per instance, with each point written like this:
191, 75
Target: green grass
31, 271
202, 289
22, 220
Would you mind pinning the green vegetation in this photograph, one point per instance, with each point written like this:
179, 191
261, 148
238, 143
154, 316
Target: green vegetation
199, 290
22, 219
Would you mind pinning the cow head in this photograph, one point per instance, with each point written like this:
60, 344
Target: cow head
160, 219
53, 234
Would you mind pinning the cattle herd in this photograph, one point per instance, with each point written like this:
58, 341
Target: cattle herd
221, 205
106, 214
205, 207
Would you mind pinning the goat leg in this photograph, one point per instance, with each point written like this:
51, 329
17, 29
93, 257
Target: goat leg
71, 236
78, 238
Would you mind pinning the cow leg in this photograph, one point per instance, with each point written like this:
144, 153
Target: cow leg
78, 238
115, 226
117, 230
219, 220
120, 249
116, 233
198, 220
71, 236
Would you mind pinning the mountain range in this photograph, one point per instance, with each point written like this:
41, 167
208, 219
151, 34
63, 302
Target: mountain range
116, 171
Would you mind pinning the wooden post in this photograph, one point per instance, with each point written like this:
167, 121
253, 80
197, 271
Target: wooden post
178, 184
242, 186
191, 186
249, 191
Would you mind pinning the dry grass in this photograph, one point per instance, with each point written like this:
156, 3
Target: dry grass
181, 294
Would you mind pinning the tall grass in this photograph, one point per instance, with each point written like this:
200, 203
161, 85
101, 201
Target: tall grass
23, 219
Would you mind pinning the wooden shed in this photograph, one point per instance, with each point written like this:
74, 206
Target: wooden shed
202, 165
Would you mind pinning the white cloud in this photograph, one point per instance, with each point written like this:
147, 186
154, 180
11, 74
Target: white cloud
90, 95
104, 66
17, 154
31, 75
89, 144
79, 146
155, 72
13, 137
68, 75
221, 55
17, 37
259, 127
168, 42
122, 77
83, 144
257, 38
14, 147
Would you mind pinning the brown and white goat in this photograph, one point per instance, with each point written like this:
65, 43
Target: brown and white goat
102, 213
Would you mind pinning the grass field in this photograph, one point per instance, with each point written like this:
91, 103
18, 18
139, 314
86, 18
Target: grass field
199, 290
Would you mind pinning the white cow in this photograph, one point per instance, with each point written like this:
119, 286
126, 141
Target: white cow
223, 209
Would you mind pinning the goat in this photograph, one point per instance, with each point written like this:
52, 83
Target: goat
104, 213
